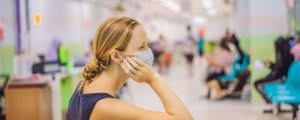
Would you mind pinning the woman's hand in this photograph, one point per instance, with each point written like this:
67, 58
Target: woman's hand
267, 63
138, 70
141, 72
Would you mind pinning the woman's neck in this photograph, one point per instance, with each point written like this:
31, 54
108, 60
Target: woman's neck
109, 81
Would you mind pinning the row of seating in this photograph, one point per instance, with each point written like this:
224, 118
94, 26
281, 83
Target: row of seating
288, 91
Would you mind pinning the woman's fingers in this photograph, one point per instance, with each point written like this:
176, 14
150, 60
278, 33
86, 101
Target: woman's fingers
127, 71
133, 63
129, 67
139, 62
124, 68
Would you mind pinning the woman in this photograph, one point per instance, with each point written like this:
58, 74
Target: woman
243, 73
220, 63
283, 60
121, 51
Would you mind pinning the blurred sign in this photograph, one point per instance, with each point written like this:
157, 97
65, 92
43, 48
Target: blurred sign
37, 19
1, 31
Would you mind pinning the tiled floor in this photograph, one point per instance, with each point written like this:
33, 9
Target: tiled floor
191, 90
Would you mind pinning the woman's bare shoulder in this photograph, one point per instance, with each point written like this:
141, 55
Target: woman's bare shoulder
110, 108
114, 109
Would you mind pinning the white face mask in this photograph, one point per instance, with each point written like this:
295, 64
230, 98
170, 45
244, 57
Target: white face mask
146, 56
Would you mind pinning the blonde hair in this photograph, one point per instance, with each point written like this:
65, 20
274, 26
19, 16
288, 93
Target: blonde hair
113, 33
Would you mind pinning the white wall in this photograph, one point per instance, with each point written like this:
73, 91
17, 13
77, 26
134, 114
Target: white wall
259, 17
63, 19
268, 16
242, 18
8, 18
60, 19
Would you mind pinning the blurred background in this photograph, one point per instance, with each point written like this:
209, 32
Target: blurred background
226, 59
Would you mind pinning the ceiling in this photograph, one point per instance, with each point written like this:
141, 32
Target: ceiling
207, 8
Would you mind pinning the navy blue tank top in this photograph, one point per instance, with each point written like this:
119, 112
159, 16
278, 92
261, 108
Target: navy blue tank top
81, 105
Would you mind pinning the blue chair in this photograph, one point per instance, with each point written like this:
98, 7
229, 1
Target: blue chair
287, 92
287, 87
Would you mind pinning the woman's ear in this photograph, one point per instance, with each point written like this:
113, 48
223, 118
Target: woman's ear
115, 56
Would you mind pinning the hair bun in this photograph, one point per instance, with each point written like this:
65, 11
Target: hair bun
91, 70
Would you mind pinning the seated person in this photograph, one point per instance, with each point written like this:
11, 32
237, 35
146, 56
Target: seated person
279, 69
231, 45
220, 63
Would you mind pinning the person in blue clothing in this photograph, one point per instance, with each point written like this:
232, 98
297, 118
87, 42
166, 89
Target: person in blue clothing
120, 52
201, 43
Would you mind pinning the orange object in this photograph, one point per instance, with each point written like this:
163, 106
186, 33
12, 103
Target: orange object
167, 58
37, 19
